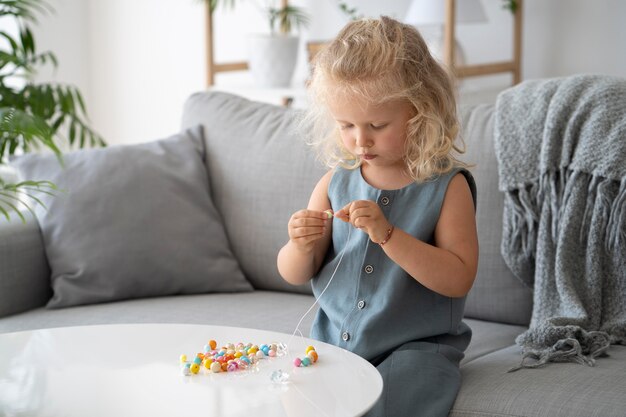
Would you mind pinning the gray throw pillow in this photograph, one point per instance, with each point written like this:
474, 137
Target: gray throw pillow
133, 221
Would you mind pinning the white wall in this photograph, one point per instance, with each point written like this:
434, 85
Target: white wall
145, 58
136, 61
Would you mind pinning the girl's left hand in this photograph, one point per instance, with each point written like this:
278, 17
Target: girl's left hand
367, 216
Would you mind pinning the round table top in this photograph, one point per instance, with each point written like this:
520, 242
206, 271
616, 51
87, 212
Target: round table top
134, 370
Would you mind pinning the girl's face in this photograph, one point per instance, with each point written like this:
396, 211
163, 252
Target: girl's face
374, 133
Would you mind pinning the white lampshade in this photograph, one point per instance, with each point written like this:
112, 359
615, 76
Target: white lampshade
432, 12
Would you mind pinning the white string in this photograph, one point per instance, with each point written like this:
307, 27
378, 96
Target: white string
297, 330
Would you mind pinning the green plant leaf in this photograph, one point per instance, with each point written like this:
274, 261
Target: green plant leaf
24, 193
24, 129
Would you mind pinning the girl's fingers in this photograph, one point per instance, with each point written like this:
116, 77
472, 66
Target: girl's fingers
342, 215
307, 231
310, 214
308, 222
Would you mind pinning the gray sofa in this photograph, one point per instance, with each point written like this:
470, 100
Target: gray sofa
259, 173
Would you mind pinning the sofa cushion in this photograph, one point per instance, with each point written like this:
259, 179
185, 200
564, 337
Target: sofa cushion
260, 171
226, 310
556, 390
244, 309
497, 294
488, 337
132, 221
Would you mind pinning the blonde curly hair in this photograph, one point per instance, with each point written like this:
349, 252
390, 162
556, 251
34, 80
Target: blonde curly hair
382, 60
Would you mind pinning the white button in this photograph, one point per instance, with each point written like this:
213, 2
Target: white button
361, 305
345, 336
384, 201
369, 269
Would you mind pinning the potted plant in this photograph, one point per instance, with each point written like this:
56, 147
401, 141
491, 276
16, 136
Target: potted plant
272, 57
32, 115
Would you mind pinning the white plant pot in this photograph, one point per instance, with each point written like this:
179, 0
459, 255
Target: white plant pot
272, 59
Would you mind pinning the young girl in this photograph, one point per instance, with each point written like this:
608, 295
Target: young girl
404, 216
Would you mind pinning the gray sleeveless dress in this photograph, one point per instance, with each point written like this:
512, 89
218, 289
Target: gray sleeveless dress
413, 335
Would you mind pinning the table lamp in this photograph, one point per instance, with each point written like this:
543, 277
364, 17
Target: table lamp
432, 13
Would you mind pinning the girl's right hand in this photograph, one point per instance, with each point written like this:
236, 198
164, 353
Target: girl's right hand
307, 227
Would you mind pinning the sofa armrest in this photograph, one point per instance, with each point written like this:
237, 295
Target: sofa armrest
24, 270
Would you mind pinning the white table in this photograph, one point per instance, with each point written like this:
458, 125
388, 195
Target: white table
134, 370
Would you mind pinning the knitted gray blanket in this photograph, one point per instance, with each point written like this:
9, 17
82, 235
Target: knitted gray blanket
561, 150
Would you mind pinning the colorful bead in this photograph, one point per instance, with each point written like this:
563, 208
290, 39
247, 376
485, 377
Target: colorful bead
231, 357
195, 368
216, 367
308, 349
313, 356
297, 362
306, 361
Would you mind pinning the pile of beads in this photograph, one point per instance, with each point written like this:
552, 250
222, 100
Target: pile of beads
309, 359
229, 358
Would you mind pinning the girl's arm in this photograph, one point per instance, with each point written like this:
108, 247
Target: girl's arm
449, 266
309, 237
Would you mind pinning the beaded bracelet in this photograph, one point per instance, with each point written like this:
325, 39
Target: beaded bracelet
386, 239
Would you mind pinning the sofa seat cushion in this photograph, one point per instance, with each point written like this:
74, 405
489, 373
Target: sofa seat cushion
275, 311
556, 390
267, 310
489, 337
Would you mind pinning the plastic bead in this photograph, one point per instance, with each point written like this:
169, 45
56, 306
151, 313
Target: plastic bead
232, 357
279, 376
195, 368
216, 367
306, 361
297, 362
312, 355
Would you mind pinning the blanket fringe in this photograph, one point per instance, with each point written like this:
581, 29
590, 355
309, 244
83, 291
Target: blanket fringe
608, 206
616, 230
566, 350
